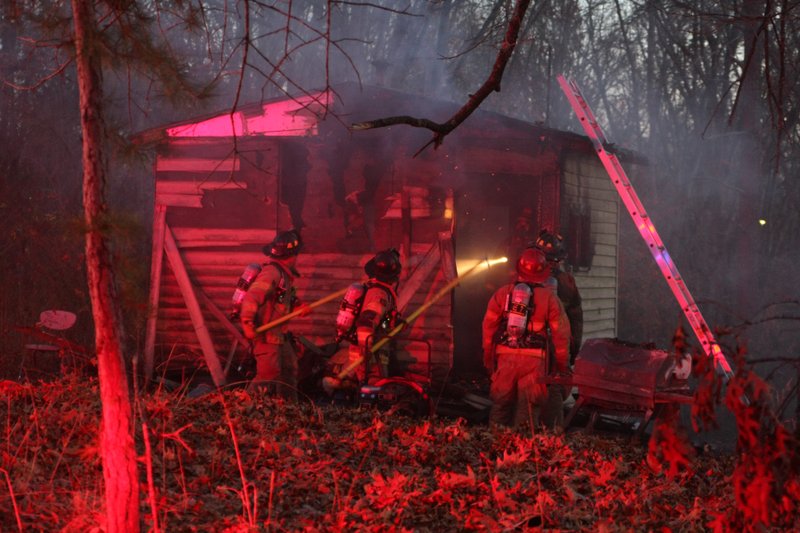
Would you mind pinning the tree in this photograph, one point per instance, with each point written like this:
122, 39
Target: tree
118, 451
95, 45
491, 84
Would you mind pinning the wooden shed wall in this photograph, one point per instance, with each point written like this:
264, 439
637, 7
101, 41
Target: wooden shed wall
222, 209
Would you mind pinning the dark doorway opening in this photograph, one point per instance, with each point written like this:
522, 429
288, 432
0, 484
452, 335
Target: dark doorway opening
495, 217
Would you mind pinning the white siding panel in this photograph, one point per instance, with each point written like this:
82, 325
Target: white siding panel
586, 187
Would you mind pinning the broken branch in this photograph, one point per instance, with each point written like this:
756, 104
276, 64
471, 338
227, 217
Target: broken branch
492, 84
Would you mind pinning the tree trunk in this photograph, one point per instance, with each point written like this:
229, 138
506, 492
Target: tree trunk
117, 447
8, 65
745, 119
653, 117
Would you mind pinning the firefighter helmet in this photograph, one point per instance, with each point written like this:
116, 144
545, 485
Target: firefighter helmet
552, 244
532, 266
285, 244
385, 266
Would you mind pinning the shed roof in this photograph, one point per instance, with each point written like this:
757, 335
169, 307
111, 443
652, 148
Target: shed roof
344, 104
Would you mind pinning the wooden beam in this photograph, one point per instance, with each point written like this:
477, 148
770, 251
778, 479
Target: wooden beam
222, 317
420, 274
180, 200
197, 186
448, 255
394, 213
405, 209
190, 298
157, 258
194, 237
488, 161
188, 164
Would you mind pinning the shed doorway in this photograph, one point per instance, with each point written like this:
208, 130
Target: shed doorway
495, 217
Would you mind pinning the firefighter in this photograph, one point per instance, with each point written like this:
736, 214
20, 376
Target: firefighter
552, 244
374, 311
521, 320
270, 296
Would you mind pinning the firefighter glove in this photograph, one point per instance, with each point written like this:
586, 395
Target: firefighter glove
249, 330
488, 360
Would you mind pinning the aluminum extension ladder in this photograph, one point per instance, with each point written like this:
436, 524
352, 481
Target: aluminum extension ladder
645, 226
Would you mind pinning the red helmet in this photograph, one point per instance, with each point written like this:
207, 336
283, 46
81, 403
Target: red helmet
285, 244
532, 266
385, 266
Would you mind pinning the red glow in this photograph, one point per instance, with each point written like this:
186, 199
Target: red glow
292, 117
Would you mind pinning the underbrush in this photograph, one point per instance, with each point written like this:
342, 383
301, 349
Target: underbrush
230, 461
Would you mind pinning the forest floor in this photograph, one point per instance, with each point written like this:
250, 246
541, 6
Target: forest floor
232, 461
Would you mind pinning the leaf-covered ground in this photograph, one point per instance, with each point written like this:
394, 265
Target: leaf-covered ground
235, 462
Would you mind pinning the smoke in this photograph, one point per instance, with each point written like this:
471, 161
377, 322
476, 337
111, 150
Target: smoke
706, 185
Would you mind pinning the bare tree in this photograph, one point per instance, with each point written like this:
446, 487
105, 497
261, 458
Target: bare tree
491, 84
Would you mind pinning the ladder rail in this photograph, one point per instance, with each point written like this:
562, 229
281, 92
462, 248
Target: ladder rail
645, 225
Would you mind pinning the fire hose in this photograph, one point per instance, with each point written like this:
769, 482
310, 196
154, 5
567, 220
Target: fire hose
300, 311
481, 265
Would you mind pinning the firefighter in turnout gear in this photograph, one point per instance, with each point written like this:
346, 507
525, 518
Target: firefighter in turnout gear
270, 296
368, 313
552, 244
521, 320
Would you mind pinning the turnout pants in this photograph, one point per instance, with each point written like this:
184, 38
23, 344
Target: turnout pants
516, 396
276, 369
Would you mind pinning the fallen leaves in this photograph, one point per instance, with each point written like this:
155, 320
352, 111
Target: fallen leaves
318, 469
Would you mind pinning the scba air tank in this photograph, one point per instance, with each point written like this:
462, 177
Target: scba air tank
349, 308
250, 273
518, 311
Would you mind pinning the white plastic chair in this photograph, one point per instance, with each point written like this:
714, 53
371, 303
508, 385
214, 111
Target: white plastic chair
50, 323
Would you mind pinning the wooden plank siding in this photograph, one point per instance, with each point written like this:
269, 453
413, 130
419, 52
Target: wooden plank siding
587, 188
215, 274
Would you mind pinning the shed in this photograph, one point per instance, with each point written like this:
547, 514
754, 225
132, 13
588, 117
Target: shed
226, 182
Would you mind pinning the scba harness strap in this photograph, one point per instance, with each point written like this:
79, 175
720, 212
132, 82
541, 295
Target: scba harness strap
282, 294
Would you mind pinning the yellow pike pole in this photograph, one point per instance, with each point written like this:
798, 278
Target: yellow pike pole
300, 311
486, 263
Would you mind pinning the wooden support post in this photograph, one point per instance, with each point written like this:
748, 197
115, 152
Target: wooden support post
219, 315
156, 260
440, 253
231, 354
405, 214
190, 298
448, 255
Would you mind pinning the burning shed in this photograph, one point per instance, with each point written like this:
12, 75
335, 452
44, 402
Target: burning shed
225, 183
